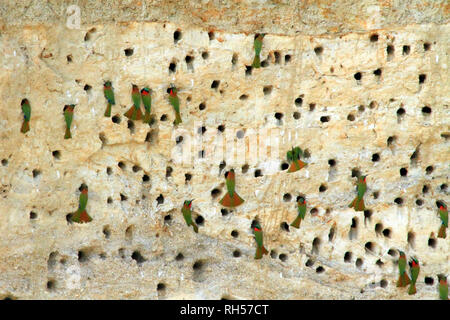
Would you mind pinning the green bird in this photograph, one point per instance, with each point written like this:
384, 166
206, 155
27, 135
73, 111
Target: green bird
187, 214
414, 269
293, 157
231, 198
26, 110
147, 100
443, 287
403, 279
68, 117
81, 214
175, 102
301, 208
109, 95
260, 249
135, 113
257, 45
358, 202
443, 214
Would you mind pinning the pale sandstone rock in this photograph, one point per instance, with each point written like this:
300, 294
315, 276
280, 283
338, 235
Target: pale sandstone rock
40, 252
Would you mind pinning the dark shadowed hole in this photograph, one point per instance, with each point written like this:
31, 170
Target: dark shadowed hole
136, 255
432, 243
347, 257
283, 257
398, 201
322, 188
163, 117
429, 281
284, 226
123, 197
287, 58
51, 284
296, 115
215, 84
355, 172
331, 162
312, 106
331, 233
82, 256
390, 141
318, 51
160, 287
403, 172
205, 55
56, 154
284, 166
313, 211
197, 265
177, 36
324, 119
87, 87
390, 50
172, 67
245, 168
179, 257
199, 220
426, 46
375, 157
221, 128
443, 187
383, 283
136, 168
145, 178
287, 197
121, 165
215, 193
316, 245
375, 194
378, 227
36, 173
33, 215
234, 234
429, 169
69, 58
359, 262
419, 202
369, 246
167, 218
248, 70
411, 238
298, 102
258, 173
392, 252
426, 110
357, 76
309, 263
422, 78
106, 232
320, 269
129, 52
160, 199
374, 37
224, 212
387, 233
406, 50
236, 253
243, 97
425, 189
351, 117
234, 59
377, 72
169, 171
116, 119
400, 112
187, 177
267, 90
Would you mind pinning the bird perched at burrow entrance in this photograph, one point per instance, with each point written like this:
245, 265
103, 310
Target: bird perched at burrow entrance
231, 198
135, 113
81, 214
403, 279
257, 45
414, 269
187, 214
301, 209
443, 214
175, 102
147, 101
109, 95
258, 233
361, 187
443, 287
68, 117
26, 110
293, 157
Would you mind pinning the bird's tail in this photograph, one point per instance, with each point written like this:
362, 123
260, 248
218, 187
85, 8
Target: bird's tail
403, 280
231, 201
442, 233
296, 165
256, 62
194, 225
108, 110
81, 217
147, 117
296, 223
133, 113
68, 135
358, 204
412, 288
260, 251
25, 126
177, 118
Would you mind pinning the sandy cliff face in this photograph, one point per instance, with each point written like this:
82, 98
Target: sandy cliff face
361, 88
